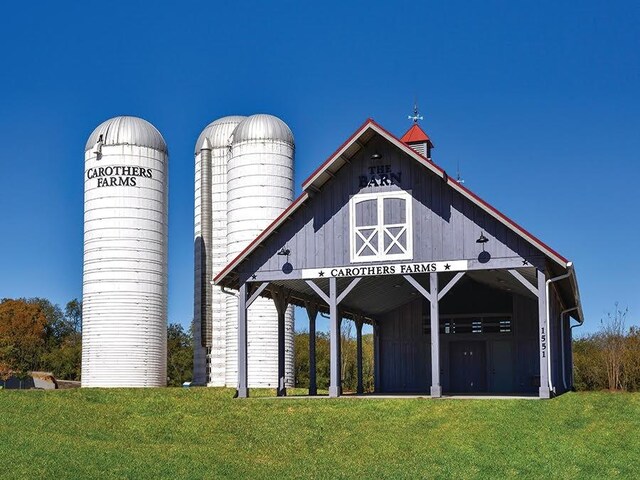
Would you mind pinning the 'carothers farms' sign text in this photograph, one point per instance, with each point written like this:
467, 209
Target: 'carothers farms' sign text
118, 176
385, 269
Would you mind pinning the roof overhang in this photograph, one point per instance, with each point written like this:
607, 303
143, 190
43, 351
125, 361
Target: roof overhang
573, 278
286, 214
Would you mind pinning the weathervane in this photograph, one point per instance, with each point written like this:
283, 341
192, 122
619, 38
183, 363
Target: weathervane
458, 176
416, 116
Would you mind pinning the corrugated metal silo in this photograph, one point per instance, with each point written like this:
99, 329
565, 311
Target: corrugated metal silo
211, 154
124, 331
260, 187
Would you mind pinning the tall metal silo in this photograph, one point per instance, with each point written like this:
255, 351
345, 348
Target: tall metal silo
260, 187
210, 247
124, 291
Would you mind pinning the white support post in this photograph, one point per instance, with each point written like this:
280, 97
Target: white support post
544, 391
518, 276
418, 287
450, 285
281, 300
243, 390
347, 290
334, 340
318, 291
258, 291
436, 388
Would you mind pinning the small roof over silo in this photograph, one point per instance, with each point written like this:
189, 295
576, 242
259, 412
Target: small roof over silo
127, 130
263, 127
219, 131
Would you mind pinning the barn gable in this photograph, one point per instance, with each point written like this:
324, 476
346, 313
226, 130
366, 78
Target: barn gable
376, 180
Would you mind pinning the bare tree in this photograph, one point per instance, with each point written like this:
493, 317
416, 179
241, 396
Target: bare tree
612, 337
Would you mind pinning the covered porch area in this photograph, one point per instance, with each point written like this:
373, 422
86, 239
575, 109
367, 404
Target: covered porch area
476, 332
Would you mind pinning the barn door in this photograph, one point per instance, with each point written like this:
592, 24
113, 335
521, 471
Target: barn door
501, 367
468, 367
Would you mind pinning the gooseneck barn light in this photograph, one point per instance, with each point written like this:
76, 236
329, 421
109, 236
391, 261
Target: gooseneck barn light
482, 240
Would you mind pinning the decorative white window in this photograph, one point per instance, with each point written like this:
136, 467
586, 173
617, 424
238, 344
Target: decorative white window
380, 227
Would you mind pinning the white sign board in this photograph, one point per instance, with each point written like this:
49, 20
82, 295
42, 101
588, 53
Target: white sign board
385, 269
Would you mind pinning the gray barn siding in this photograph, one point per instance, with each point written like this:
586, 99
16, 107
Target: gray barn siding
525, 314
405, 352
445, 227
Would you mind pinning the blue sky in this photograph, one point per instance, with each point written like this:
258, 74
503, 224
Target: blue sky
538, 102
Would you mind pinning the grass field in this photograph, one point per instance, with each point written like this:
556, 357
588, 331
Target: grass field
204, 433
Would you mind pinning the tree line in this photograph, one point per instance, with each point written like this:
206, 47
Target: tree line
37, 335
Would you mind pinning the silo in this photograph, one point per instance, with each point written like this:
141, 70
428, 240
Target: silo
124, 290
210, 314
260, 187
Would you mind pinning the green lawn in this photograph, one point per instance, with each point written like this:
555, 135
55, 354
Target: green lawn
204, 433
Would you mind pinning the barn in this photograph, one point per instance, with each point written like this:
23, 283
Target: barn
462, 300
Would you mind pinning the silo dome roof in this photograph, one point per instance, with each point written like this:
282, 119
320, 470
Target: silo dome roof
219, 131
263, 127
127, 130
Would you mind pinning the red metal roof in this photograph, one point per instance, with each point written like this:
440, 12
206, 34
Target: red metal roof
415, 135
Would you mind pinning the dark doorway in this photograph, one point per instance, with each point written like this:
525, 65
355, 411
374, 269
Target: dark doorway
468, 367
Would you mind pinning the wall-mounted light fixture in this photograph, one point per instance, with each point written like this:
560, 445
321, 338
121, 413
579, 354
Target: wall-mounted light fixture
287, 268
482, 240
376, 156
